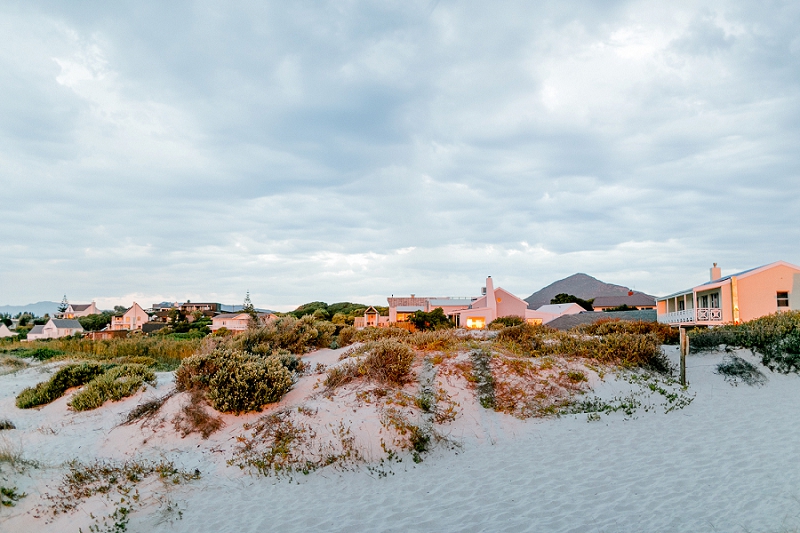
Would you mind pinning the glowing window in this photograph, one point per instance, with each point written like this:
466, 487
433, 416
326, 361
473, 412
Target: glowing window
534, 321
477, 322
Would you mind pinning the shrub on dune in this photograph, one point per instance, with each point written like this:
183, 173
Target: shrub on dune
65, 378
235, 381
114, 384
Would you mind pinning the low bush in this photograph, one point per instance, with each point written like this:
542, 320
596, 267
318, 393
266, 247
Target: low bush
194, 418
65, 378
775, 337
665, 333
297, 336
235, 381
735, 369
346, 336
611, 347
505, 322
114, 384
374, 334
387, 361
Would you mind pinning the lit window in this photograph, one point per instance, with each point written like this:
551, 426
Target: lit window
534, 321
783, 299
477, 322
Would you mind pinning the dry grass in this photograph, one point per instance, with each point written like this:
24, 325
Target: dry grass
387, 361
195, 418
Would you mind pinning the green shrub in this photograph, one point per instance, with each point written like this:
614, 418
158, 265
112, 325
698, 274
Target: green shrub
67, 377
346, 336
775, 337
114, 384
237, 382
434, 319
286, 333
374, 334
506, 321
665, 333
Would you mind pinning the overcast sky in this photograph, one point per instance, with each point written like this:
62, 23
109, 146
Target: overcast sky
350, 150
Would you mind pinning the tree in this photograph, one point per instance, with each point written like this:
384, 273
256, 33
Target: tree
565, 298
248, 307
63, 305
435, 319
5, 318
96, 322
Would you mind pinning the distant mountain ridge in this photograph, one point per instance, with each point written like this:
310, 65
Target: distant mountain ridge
581, 285
38, 309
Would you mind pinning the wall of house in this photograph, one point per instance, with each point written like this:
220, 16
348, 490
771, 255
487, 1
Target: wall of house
758, 292
508, 304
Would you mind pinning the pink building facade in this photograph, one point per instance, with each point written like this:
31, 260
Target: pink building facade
734, 299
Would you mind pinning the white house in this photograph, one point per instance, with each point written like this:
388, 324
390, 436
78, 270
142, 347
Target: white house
548, 313
238, 321
55, 329
79, 310
131, 320
5, 332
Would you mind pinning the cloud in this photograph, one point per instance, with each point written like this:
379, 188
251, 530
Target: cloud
349, 151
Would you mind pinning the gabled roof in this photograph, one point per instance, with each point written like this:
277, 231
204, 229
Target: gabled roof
63, 323
80, 307
558, 309
224, 316
37, 330
723, 279
634, 300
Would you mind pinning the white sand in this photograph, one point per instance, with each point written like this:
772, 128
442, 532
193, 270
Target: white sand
730, 461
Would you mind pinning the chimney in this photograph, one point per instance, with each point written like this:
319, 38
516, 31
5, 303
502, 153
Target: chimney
716, 272
630, 293
412, 295
491, 302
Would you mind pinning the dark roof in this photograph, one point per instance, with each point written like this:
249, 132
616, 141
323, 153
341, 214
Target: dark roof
634, 300
80, 307
62, 323
589, 317
149, 327
36, 329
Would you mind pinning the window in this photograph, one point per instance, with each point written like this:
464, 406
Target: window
477, 322
783, 299
714, 297
534, 321
681, 305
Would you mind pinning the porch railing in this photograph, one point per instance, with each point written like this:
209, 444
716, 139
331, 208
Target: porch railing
700, 314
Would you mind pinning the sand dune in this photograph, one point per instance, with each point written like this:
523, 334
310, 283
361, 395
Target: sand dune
730, 461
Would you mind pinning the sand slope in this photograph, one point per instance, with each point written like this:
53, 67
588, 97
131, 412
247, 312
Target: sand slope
730, 461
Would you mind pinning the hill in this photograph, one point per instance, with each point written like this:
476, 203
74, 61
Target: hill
38, 309
580, 285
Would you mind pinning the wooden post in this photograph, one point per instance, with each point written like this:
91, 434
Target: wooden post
684, 351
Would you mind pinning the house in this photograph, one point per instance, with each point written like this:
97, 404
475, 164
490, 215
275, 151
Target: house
207, 309
734, 299
548, 313
131, 320
79, 310
633, 299
402, 307
55, 329
238, 321
372, 318
36, 333
494, 304
5, 332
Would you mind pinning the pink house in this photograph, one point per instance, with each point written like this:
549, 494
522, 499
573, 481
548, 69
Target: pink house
131, 320
497, 303
238, 321
79, 310
734, 299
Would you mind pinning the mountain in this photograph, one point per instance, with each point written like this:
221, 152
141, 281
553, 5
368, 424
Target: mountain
581, 285
38, 309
